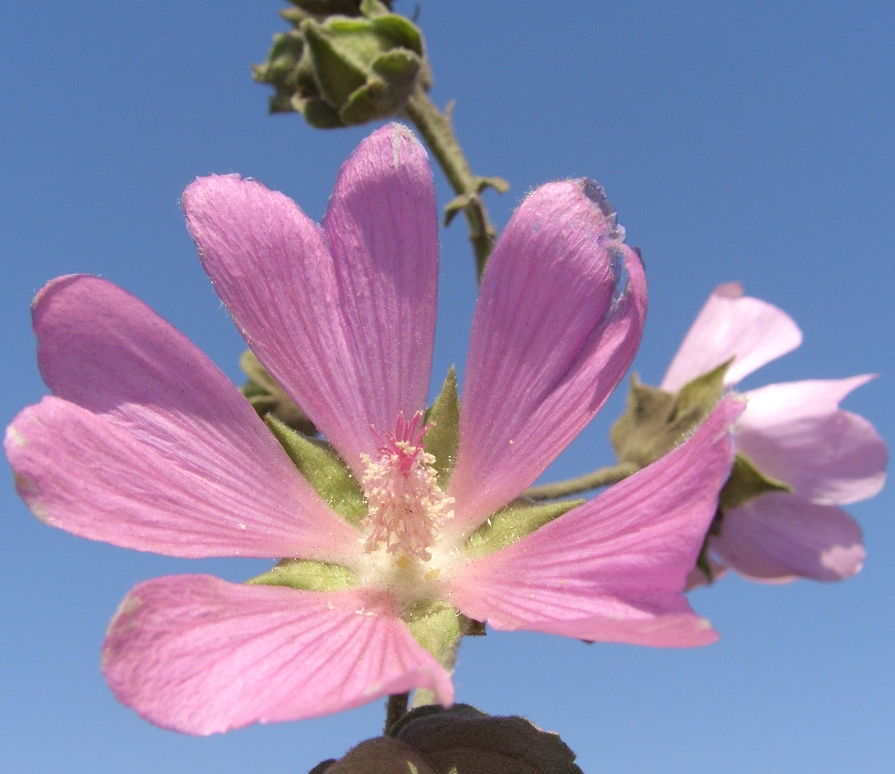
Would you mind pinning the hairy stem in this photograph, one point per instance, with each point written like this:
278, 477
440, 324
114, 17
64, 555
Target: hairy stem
436, 129
601, 477
395, 709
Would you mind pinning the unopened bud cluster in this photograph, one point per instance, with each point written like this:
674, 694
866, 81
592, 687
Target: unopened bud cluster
344, 62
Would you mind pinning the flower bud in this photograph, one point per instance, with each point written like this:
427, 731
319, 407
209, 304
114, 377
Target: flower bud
344, 63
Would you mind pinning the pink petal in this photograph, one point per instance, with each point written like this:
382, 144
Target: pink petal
198, 655
557, 323
342, 316
614, 568
149, 445
731, 324
779, 537
797, 433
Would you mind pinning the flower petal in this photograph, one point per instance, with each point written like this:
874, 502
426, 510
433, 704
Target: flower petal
614, 568
797, 433
342, 316
732, 325
557, 323
779, 537
149, 445
197, 654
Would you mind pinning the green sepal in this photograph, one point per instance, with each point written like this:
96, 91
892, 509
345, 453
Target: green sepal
745, 482
443, 436
392, 78
520, 518
317, 113
324, 469
295, 16
704, 392
437, 626
394, 31
656, 421
267, 397
306, 575
703, 558
338, 71
373, 8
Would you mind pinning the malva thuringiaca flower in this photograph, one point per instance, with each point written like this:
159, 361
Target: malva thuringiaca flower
812, 455
413, 535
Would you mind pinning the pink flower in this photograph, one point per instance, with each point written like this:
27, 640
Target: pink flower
147, 445
793, 432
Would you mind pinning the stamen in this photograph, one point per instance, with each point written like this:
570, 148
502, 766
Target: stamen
406, 507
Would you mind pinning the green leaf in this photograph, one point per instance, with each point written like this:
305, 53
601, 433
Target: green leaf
518, 519
437, 626
745, 482
324, 469
442, 438
306, 575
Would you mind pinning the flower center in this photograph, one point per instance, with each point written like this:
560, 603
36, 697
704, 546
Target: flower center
406, 507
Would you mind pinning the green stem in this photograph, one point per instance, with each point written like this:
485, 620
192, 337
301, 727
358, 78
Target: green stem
601, 477
436, 129
395, 709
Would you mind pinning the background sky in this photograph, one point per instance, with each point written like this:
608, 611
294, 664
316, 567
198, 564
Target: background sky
749, 141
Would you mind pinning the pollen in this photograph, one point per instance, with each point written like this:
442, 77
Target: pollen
405, 506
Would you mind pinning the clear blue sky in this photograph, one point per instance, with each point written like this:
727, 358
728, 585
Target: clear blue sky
749, 141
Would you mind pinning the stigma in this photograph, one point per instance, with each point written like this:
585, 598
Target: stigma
406, 507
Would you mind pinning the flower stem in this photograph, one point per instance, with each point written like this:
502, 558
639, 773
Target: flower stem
600, 477
395, 709
436, 129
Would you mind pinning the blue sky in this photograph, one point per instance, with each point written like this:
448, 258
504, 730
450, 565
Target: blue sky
737, 141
